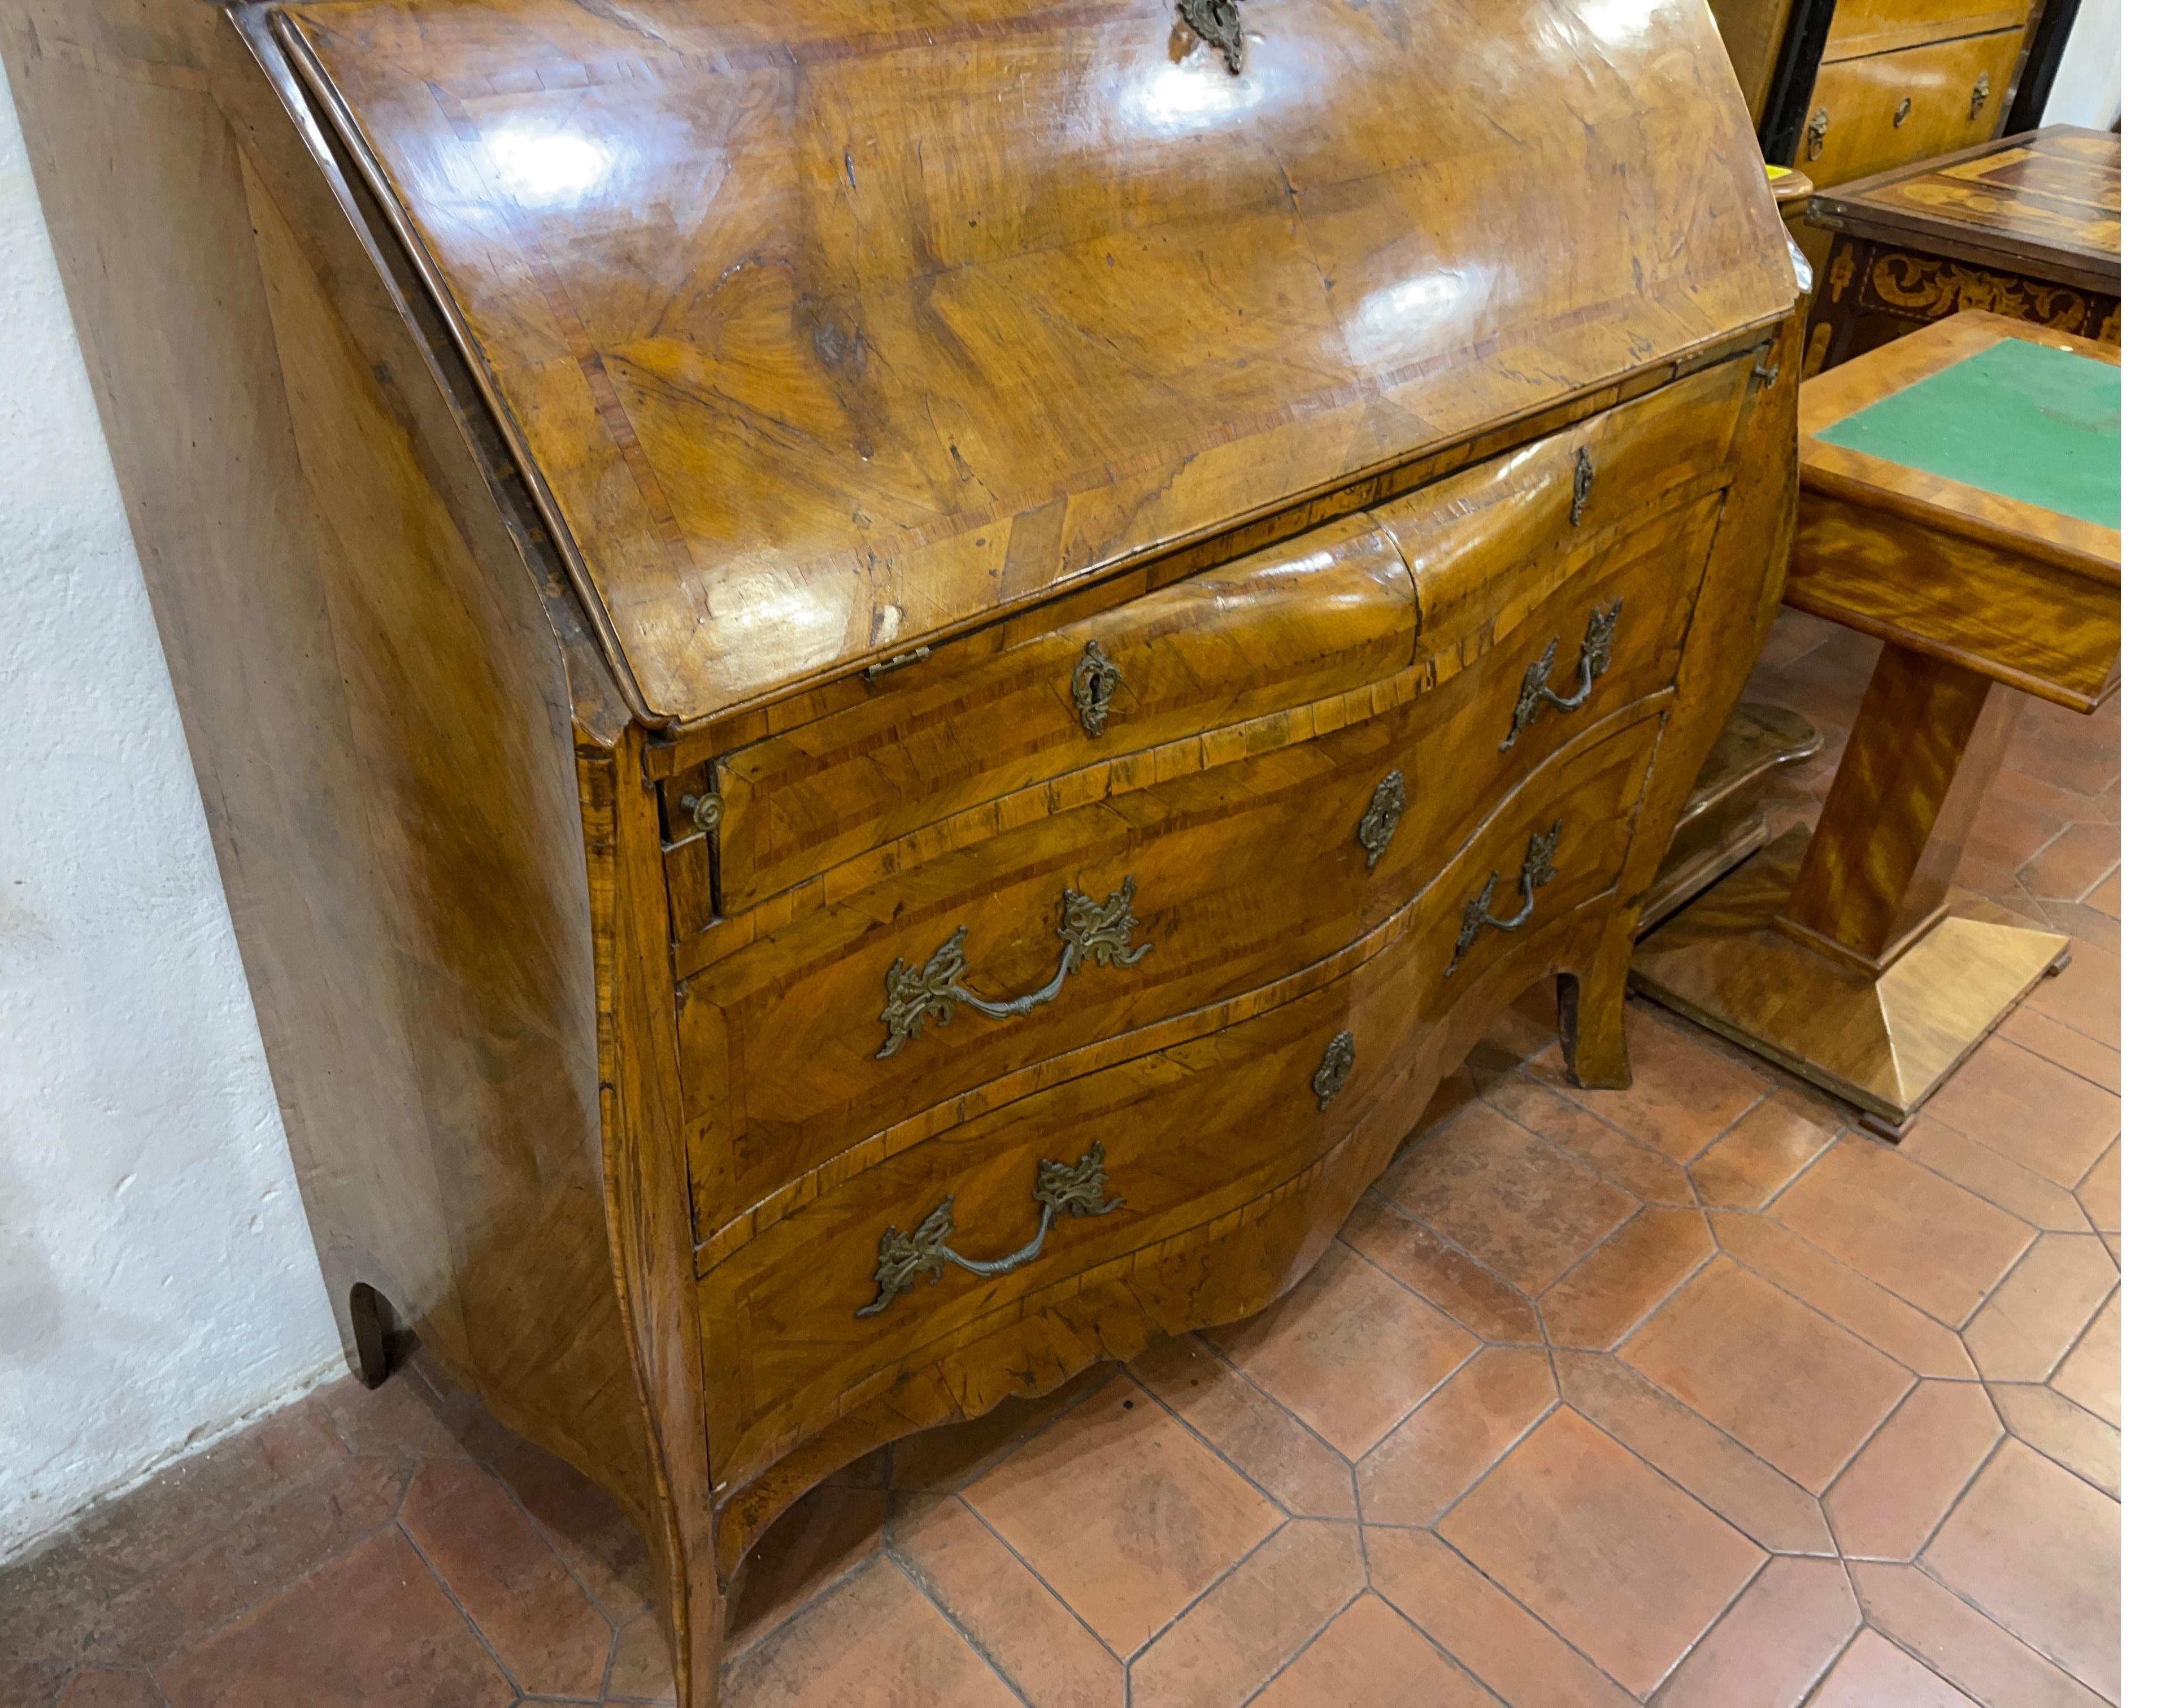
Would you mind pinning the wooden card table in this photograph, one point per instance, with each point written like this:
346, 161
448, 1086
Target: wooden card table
1960, 500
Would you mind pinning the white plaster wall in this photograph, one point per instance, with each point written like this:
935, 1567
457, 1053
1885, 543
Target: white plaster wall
2087, 90
157, 1281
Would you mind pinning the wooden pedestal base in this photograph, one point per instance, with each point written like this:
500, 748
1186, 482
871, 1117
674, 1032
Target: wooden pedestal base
1882, 1043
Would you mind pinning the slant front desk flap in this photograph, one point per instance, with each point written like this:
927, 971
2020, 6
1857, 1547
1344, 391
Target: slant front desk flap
827, 329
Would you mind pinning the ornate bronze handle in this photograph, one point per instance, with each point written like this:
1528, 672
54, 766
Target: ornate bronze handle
1382, 818
1818, 124
1093, 687
1903, 112
902, 1258
1098, 931
1595, 659
1585, 478
706, 811
1537, 871
1334, 1069
1979, 98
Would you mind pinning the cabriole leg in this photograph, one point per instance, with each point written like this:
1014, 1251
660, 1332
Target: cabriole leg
1593, 1012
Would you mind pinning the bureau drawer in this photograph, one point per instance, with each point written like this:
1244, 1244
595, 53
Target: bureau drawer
1859, 27
1870, 115
1187, 891
819, 1308
1488, 544
1328, 611
1282, 632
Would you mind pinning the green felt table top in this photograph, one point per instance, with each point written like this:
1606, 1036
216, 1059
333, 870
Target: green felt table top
2019, 419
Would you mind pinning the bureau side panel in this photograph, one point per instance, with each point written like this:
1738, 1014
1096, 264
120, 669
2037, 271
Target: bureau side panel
377, 709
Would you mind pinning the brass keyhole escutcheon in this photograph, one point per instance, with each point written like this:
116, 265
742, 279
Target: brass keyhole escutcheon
1333, 1071
1093, 687
1979, 98
1819, 127
1382, 818
1904, 112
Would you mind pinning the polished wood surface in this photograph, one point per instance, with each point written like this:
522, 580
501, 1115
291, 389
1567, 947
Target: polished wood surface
1060, 300
1838, 953
1861, 27
1869, 114
1753, 31
2017, 593
2028, 226
2047, 204
1883, 1042
586, 1083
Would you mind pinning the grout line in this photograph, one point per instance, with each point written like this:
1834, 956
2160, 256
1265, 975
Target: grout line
1545, 1624
413, 1467
1303, 1647
1251, 1382
2065, 1357
819, 1596
918, 1581
1967, 1601
399, 1523
1222, 1577
564, 1565
1840, 1263
1460, 1251
1559, 1403
1918, 1557
1717, 1619
1034, 1572
1206, 1442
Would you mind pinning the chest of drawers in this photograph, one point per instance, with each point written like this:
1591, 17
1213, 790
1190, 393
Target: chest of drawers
1849, 87
926, 662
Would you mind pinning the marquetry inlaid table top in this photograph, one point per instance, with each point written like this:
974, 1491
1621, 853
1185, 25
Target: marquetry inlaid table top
2045, 203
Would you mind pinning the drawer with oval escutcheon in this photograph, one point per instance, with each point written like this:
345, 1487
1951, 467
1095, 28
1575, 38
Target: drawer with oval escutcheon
1285, 638
889, 1251
952, 965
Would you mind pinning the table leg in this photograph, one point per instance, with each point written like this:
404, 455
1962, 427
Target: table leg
1838, 954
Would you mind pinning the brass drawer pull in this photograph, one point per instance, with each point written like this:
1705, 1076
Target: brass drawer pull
1537, 871
1904, 112
706, 811
1098, 931
1333, 1071
1595, 659
1382, 818
1093, 687
902, 1258
1979, 98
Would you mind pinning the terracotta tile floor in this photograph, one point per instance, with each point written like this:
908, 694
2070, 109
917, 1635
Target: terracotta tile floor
1691, 1393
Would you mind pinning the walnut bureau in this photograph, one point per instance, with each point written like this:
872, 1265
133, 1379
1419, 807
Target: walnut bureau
913, 668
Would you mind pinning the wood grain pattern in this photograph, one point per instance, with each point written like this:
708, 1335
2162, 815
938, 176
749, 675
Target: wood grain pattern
1195, 1131
1322, 432
2020, 594
1861, 102
2047, 204
791, 431
1860, 27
